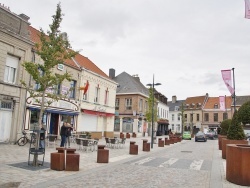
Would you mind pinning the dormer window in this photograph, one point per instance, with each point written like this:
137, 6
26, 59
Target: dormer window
176, 108
216, 106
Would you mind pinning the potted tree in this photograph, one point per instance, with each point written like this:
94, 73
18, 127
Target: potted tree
238, 155
223, 132
235, 134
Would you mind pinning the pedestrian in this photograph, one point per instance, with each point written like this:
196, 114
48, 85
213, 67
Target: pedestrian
68, 135
42, 138
63, 134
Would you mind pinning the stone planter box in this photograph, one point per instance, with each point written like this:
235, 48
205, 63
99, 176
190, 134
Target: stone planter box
160, 142
226, 141
133, 148
238, 164
220, 140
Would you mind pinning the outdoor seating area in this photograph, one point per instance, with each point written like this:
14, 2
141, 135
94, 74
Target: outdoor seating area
115, 143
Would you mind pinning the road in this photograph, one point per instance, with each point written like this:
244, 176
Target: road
184, 164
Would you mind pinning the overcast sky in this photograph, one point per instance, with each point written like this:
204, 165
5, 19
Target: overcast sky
184, 43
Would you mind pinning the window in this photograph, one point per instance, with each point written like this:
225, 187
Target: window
97, 93
172, 117
172, 127
185, 117
215, 106
192, 117
179, 117
146, 106
85, 96
198, 117
206, 118
6, 105
57, 89
117, 103
215, 117
225, 115
72, 89
178, 128
37, 85
10, 69
128, 104
140, 105
106, 100
176, 108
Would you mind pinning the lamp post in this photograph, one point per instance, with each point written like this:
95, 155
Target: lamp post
153, 86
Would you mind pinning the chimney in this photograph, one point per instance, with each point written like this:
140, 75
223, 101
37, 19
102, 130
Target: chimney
136, 77
174, 98
111, 73
24, 17
64, 36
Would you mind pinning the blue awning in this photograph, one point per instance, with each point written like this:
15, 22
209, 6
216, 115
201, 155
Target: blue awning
55, 111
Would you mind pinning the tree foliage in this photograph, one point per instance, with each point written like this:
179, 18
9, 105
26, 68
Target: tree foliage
150, 106
224, 126
235, 130
53, 49
244, 113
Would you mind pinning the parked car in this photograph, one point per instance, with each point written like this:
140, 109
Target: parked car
186, 135
200, 136
210, 135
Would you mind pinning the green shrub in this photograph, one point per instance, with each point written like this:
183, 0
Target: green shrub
224, 126
244, 113
235, 130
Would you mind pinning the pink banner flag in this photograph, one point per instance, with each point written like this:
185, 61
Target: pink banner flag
247, 9
226, 75
222, 103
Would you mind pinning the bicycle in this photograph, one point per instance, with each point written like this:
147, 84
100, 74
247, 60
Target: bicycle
25, 139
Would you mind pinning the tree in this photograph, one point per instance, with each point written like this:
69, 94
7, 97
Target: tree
53, 49
224, 126
244, 113
182, 117
150, 107
235, 130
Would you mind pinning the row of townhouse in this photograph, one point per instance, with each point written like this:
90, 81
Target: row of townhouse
202, 112
93, 111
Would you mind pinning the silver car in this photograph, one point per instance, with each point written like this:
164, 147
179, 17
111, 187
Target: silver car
200, 136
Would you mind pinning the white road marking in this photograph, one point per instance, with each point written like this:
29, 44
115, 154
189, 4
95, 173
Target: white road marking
196, 165
114, 159
168, 162
143, 161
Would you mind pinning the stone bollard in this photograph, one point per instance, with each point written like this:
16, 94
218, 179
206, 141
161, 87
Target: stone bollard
102, 154
133, 149
134, 135
121, 135
57, 159
145, 145
72, 160
160, 142
127, 135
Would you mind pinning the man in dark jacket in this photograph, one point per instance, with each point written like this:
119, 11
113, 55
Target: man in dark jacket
63, 133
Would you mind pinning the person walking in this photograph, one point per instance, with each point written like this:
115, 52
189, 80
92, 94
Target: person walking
68, 135
63, 133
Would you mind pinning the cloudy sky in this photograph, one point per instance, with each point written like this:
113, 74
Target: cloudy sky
184, 43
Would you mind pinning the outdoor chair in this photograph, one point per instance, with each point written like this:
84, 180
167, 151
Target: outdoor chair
122, 142
114, 143
108, 144
96, 140
79, 143
86, 144
51, 140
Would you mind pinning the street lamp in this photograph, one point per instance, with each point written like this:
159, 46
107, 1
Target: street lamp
153, 86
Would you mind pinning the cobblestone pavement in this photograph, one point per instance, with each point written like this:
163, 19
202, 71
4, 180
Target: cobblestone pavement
184, 164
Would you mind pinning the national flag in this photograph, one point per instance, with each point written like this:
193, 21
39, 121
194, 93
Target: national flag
247, 9
85, 88
222, 103
226, 75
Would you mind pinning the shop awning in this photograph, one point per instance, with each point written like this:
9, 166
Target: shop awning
55, 111
92, 112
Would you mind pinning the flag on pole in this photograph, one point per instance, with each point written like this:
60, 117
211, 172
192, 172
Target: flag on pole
85, 88
226, 75
247, 9
222, 103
